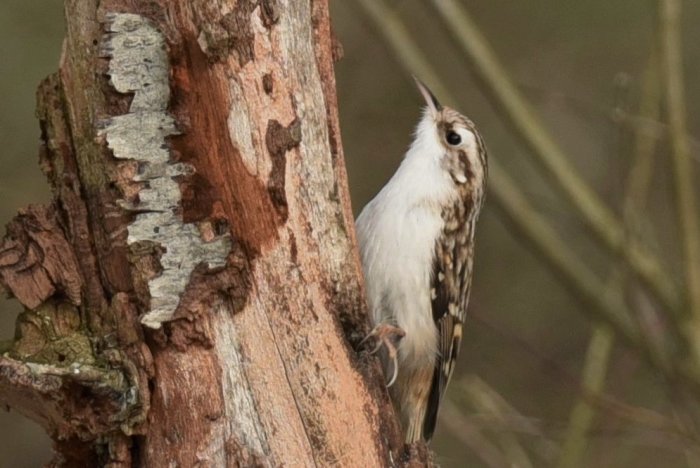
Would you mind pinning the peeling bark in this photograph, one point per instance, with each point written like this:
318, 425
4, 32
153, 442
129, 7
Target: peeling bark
36, 261
198, 268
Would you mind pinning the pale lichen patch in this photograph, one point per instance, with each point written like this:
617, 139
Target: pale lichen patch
139, 65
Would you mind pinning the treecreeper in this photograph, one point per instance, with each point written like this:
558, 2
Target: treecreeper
417, 247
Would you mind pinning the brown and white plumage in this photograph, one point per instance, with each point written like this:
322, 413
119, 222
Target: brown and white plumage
417, 244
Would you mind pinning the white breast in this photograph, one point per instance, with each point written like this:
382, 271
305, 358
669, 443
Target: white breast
397, 231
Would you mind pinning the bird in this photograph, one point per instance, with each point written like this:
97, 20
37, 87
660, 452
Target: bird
416, 239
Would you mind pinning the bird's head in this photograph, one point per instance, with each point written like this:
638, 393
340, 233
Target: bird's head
461, 149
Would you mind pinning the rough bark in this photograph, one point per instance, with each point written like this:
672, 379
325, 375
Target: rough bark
193, 296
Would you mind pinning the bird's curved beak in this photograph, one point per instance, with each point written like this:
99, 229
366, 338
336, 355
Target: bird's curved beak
430, 99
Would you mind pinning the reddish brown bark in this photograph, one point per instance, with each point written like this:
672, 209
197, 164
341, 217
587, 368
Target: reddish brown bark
255, 365
36, 261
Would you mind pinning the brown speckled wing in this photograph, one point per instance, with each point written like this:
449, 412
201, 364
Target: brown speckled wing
448, 304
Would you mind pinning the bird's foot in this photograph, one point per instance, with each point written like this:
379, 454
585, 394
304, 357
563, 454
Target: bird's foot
387, 336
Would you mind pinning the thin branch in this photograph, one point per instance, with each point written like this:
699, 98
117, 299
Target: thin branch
671, 47
646, 136
487, 401
498, 416
607, 403
468, 434
641, 436
535, 232
600, 347
592, 111
400, 41
581, 419
602, 221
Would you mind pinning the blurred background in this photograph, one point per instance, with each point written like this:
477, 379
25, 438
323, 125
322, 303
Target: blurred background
31, 32
542, 380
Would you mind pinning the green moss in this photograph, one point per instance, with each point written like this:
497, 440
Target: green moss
51, 334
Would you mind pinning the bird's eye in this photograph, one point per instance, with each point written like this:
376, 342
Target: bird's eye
453, 138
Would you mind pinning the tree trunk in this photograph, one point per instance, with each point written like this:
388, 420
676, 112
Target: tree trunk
193, 296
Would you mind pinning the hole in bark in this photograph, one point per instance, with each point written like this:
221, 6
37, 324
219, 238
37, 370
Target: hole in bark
139, 441
83, 393
221, 227
267, 83
61, 357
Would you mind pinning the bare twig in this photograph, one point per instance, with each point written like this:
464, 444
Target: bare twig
670, 27
400, 41
468, 434
603, 402
507, 440
645, 142
593, 377
601, 344
631, 434
487, 401
535, 231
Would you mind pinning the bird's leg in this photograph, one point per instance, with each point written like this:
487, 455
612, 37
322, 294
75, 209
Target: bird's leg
387, 336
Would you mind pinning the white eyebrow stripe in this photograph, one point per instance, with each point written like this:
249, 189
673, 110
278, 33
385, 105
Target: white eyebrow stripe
468, 137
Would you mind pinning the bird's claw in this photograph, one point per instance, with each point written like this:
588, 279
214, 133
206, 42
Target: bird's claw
388, 336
